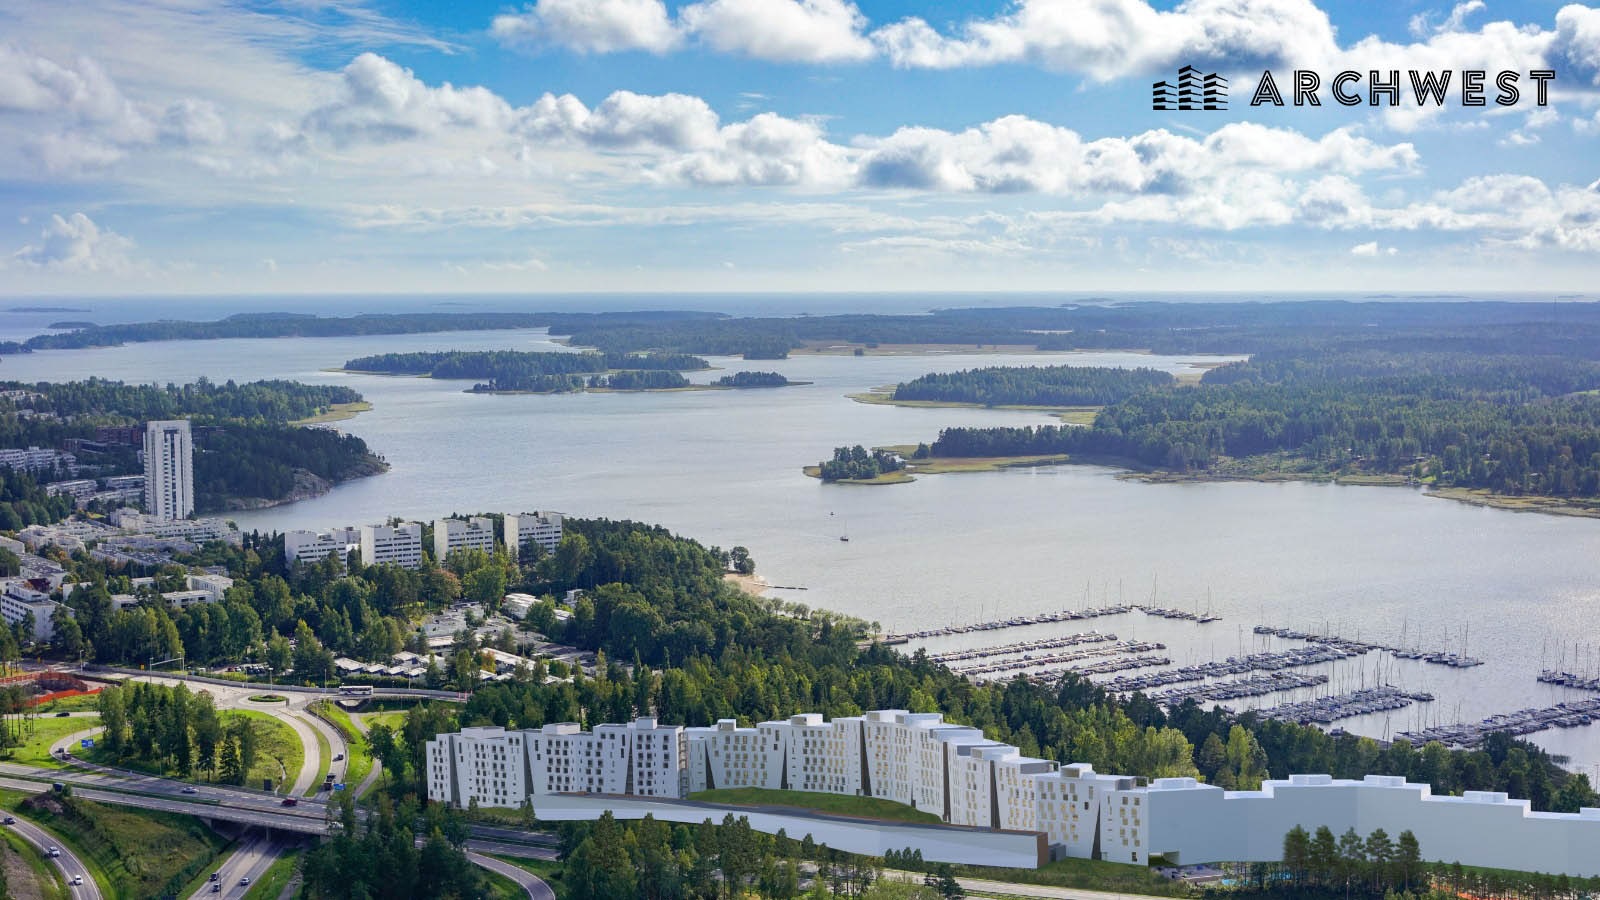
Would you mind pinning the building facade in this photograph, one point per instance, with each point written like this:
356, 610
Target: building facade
453, 535
397, 544
315, 546
169, 469
522, 529
968, 780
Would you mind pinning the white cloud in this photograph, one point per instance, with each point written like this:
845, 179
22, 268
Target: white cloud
1422, 25
812, 31
590, 26
1371, 249
383, 102
76, 244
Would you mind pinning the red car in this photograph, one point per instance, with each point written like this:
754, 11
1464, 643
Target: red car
290, 801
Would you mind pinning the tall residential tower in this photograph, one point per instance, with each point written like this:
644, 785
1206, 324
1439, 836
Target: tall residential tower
169, 469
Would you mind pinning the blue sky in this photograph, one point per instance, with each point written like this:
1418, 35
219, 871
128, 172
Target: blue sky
184, 146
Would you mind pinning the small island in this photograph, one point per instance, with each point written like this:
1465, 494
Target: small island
70, 325
857, 465
1074, 394
755, 380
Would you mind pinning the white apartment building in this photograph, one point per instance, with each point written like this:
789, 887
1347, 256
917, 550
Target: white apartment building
969, 780
195, 530
399, 544
169, 469
543, 529
18, 601
80, 489
198, 589
34, 459
315, 546
452, 535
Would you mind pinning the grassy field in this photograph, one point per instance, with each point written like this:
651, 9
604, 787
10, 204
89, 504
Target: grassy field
395, 719
838, 804
131, 853
278, 755
272, 881
35, 749
338, 412
358, 761
28, 873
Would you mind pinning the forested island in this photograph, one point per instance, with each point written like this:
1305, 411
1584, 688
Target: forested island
754, 380
1169, 328
1032, 385
524, 372
1506, 416
858, 465
248, 452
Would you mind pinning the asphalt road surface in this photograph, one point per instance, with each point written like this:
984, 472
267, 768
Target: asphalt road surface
68, 862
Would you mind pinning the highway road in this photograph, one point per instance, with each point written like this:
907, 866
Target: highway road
535, 886
336, 746
250, 860
68, 862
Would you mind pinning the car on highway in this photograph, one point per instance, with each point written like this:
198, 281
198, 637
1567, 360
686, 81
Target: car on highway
215, 875
63, 714
11, 820
290, 801
216, 888
245, 881
338, 756
77, 880
191, 790
53, 851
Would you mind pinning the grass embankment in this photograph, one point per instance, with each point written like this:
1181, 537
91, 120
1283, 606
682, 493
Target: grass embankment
325, 761
394, 719
74, 703
276, 877
549, 872
28, 873
130, 853
1085, 874
41, 733
1072, 415
338, 412
1559, 506
834, 804
358, 756
276, 746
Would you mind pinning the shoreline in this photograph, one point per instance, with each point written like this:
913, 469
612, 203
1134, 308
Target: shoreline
1071, 415
338, 412
754, 585
308, 486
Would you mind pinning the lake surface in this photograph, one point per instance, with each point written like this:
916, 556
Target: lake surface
724, 467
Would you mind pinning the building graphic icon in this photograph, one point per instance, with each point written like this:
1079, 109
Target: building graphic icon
1193, 91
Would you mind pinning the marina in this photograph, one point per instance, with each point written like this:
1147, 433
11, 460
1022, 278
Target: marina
1323, 710
1065, 615
1256, 662
1254, 686
1571, 714
1030, 661
1082, 637
1436, 657
1567, 679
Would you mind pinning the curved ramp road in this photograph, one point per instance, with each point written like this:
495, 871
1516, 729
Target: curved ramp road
359, 720
533, 884
249, 861
336, 746
68, 862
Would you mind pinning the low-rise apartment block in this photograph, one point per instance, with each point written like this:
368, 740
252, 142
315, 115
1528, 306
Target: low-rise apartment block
968, 780
398, 544
315, 546
543, 529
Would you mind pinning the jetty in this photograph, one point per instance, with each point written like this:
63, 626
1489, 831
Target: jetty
1271, 661
1437, 657
1570, 714
1065, 615
1254, 686
1332, 708
1082, 637
1567, 679
1029, 661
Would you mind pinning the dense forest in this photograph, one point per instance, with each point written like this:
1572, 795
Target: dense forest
858, 464
271, 401
502, 365
752, 380
655, 380
1512, 424
1158, 326
1033, 385
23, 502
260, 460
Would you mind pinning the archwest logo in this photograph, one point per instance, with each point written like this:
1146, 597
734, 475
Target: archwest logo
1193, 91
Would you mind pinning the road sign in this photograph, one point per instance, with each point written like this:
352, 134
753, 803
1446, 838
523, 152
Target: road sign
338, 787
87, 743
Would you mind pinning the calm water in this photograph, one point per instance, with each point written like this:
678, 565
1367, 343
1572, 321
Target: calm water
724, 467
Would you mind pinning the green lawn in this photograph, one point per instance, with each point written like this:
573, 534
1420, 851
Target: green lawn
325, 754
130, 853
41, 733
278, 755
358, 761
272, 881
396, 720
41, 877
76, 703
839, 804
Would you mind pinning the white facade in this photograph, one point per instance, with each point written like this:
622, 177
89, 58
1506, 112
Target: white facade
968, 780
518, 604
35, 459
397, 544
18, 601
522, 529
452, 535
196, 530
315, 546
169, 469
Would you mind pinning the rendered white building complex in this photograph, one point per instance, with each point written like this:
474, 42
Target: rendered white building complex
315, 546
169, 469
965, 779
397, 544
452, 535
522, 529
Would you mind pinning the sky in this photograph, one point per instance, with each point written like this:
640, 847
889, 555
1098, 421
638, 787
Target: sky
326, 146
